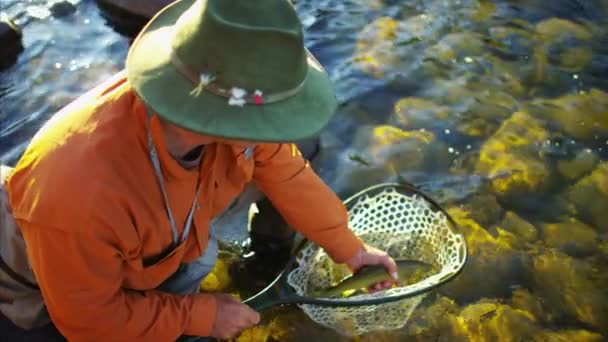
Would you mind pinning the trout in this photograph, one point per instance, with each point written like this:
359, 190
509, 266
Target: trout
409, 272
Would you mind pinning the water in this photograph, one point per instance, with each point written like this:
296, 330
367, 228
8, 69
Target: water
428, 92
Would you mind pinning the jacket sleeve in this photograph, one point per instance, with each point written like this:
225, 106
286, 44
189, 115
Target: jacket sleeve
80, 276
304, 200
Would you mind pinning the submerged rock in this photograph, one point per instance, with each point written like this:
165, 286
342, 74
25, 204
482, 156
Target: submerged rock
522, 229
415, 113
564, 43
583, 163
433, 322
512, 43
62, 8
523, 300
383, 44
571, 289
484, 209
487, 255
482, 114
590, 197
568, 336
488, 320
581, 115
457, 47
510, 157
219, 278
572, 237
401, 149
10, 40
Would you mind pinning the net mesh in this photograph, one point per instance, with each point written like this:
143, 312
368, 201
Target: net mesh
405, 226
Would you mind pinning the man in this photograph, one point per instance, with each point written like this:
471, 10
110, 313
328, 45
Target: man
115, 194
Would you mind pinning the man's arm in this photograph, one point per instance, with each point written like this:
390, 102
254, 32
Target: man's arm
80, 276
304, 200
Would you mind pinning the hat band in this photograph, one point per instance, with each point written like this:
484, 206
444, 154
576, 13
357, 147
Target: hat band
235, 95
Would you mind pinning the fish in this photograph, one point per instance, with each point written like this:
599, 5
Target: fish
409, 271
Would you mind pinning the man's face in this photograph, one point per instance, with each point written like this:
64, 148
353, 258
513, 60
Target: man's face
184, 139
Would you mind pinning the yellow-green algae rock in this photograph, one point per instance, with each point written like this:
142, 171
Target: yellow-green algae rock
571, 288
564, 43
583, 163
489, 320
568, 336
590, 197
511, 159
572, 237
433, 321
512, 42
399, 149
455, 47
481, 114
519, 227
384, 43
414, 113
523, 300
488, 255
382, 153
582, 115
484, 209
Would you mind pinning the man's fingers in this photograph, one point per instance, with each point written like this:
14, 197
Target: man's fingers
254, 317
391, 267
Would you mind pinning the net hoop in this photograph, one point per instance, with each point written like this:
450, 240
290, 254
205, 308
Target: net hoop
334, 312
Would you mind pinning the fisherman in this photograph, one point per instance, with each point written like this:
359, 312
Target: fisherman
113, 199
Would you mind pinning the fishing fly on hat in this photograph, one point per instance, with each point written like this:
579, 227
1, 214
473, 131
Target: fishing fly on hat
232, 68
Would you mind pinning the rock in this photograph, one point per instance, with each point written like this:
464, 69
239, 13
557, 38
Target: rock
416, 113
511, 159
523, 300
128, 17
433, 322
568, 336
562, 48
355, 177
383, 44
10, 40
571, 237
383, 153
583, 163
219, 279
581, 115
277, 329
405, 150
571, 289
486, 255
519, 227
62, 8
488, 320
590, 197
512, 43
484, 209
564, 43
481, 115
457, 47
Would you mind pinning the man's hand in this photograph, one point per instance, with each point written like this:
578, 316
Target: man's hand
232, 317
369, 255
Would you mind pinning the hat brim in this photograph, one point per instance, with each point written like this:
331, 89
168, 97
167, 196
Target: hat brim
167, 93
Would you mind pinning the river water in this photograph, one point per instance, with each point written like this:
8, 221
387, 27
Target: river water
498, 109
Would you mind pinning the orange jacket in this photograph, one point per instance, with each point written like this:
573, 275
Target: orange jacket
87, 201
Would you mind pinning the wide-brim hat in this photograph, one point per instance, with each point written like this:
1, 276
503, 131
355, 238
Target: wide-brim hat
233, 69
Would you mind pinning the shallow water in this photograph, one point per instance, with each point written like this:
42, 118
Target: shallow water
428, 92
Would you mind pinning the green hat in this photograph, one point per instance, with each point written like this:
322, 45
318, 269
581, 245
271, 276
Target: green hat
232, 68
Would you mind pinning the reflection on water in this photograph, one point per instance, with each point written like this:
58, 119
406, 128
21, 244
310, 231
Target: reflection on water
499, 109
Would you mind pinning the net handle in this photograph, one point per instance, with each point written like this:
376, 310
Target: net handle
262, 300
